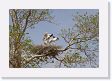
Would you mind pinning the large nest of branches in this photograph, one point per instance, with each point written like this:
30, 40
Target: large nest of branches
43, 50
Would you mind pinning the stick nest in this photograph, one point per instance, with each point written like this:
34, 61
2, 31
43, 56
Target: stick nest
50, 50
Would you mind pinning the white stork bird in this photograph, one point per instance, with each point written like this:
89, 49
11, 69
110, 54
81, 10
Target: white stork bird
49, 39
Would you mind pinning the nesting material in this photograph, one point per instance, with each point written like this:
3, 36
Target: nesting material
50, 50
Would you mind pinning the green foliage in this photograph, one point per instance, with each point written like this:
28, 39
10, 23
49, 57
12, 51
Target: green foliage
22, 19
79, 40
87, 24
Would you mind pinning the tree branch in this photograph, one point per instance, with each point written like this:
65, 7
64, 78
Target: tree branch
26, 23
36, 56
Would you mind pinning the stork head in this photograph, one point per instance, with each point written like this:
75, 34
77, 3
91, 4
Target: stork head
47, 36
53, 39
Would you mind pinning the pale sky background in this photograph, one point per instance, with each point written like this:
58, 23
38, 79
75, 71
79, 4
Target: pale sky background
63, 17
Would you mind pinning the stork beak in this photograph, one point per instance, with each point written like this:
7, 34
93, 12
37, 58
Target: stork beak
57, 38
51, 34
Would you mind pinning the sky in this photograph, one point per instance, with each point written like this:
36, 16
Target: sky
63, 19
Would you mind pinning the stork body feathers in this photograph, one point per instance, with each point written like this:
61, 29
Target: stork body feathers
49, 39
